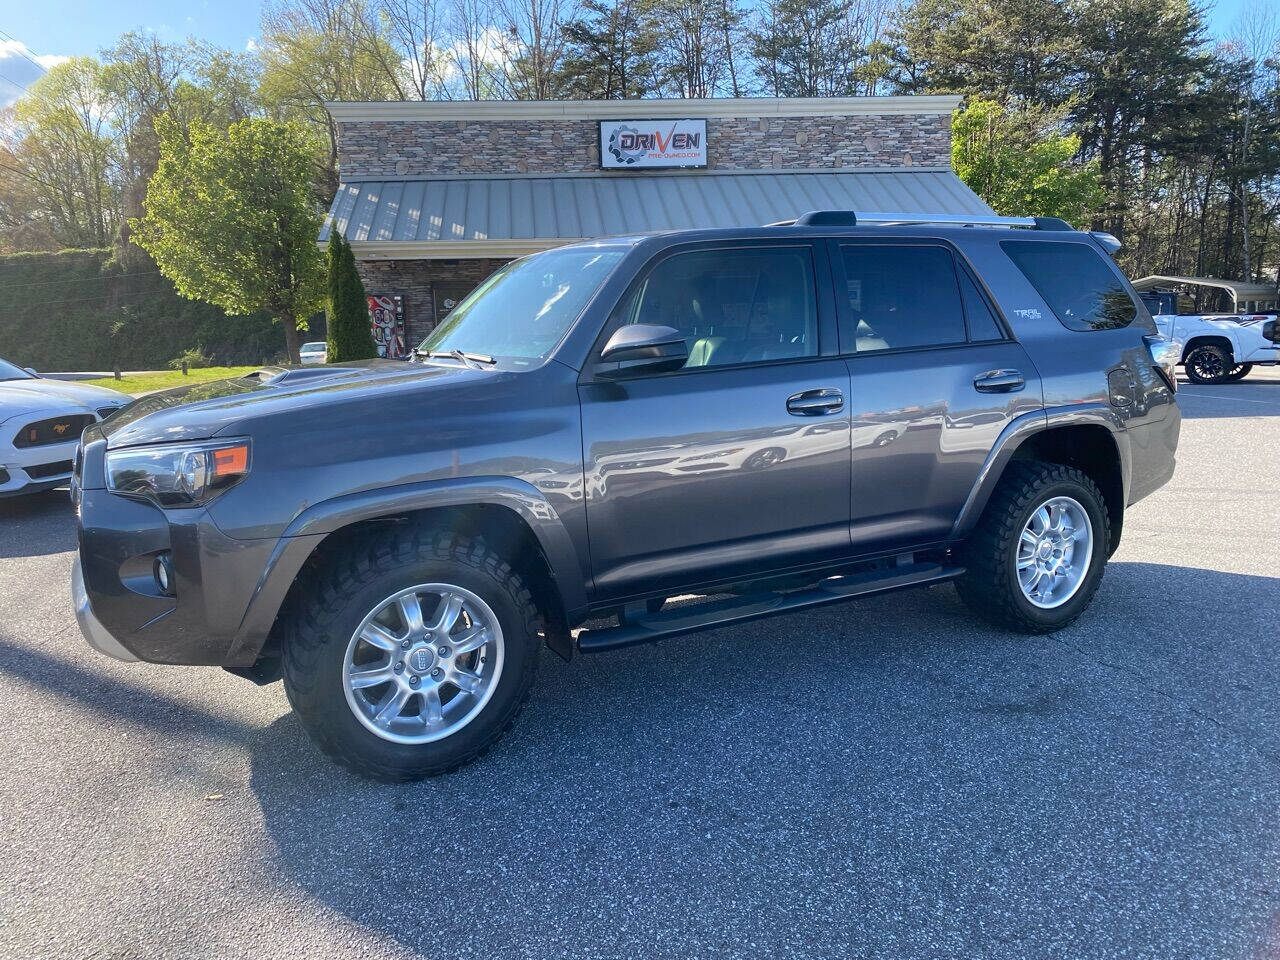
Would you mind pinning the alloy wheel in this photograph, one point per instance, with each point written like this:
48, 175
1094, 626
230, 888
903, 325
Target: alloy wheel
423, 663
1055, 549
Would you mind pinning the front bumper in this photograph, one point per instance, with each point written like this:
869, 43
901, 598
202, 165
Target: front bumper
225, 593
94, 632
32, 469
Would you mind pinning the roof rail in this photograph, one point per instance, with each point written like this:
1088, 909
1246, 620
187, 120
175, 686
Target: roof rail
849, 218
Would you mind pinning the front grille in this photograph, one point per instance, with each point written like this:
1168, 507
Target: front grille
42, 470
53, 430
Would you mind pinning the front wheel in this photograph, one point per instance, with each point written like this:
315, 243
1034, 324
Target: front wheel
1038, 554
1238, 372
1209, 364
411, 654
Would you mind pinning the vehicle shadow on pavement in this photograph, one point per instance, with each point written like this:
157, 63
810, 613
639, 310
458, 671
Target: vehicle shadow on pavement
114, 699
48, 524
814, 783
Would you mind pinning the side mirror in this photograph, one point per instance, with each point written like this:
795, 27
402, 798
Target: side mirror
642, 347
1271, 330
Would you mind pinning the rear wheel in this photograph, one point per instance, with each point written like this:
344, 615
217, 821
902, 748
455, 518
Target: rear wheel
411, 655
1208, 363
1037, 557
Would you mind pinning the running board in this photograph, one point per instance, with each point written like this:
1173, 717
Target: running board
646, 628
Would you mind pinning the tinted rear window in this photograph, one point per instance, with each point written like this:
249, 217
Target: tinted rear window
1075, 281
901, 297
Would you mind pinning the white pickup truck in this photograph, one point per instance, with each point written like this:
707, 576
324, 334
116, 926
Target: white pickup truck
1217, 347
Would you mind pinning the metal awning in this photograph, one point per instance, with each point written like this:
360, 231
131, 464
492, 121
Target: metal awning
507, 216
1241, 291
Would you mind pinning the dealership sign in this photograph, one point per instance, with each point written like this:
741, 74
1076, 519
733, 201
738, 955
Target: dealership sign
637, 144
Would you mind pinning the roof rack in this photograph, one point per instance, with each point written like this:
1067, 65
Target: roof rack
850, 218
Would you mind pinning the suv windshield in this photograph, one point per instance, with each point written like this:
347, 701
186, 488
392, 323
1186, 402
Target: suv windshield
10, 372
523, 310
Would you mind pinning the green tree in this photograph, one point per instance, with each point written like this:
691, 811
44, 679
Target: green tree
315, 51
802, 48
1020, 163
64, 149
1142, 89
1001, 49
609, 51
346, 306
230, 220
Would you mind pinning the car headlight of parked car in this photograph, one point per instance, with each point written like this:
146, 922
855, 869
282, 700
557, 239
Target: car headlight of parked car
178, 475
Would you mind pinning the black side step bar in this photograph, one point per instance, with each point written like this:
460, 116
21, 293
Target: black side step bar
718, 613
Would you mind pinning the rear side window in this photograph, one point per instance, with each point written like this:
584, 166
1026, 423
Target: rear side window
1078, 285
901, 297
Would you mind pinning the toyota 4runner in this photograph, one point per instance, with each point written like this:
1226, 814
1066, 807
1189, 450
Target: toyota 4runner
751, 420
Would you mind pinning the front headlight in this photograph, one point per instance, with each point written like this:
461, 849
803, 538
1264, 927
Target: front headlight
178, 475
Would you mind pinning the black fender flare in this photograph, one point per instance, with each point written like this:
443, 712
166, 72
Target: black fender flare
305, 533
1020, 429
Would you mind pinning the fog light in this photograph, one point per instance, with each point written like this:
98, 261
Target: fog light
164, 574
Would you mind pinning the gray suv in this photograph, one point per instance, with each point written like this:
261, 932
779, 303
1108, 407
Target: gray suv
751, 420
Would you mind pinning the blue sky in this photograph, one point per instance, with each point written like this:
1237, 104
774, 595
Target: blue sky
50, 29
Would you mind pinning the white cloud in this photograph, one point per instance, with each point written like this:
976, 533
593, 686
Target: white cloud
19, 72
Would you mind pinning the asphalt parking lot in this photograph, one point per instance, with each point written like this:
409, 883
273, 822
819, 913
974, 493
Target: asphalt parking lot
888, 778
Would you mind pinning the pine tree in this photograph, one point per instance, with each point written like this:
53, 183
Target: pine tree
346, 307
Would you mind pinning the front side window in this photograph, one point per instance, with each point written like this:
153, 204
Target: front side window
900, 297
1080, 288
521, 312
744, 305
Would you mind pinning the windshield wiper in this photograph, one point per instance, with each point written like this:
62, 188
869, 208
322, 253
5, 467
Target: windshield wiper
476, 361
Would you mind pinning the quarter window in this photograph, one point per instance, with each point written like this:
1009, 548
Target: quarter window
982, 322
901, 297
1077, 284
742, 305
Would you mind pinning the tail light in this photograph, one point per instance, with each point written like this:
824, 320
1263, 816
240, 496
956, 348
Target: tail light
1165, 356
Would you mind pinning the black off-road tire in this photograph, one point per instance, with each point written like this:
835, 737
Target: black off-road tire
1208, 364
338, 596
1238, 372
989, 586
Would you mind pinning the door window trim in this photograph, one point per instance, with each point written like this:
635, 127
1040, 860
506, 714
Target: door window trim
844, 309
819, 271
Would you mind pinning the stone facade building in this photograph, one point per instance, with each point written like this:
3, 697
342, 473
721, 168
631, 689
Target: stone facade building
437, 195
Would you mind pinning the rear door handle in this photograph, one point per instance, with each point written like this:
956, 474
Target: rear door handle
999, 381
815, 403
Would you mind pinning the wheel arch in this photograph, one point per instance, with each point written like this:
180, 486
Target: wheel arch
510, 514
1085, 437
1209, 339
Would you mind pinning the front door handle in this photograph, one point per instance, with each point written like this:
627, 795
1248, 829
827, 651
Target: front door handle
815, 403
999, 381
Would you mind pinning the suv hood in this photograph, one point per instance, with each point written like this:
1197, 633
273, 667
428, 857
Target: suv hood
204, 410
23, 398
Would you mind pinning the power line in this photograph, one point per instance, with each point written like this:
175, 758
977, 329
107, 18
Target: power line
25, 51
20, 86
